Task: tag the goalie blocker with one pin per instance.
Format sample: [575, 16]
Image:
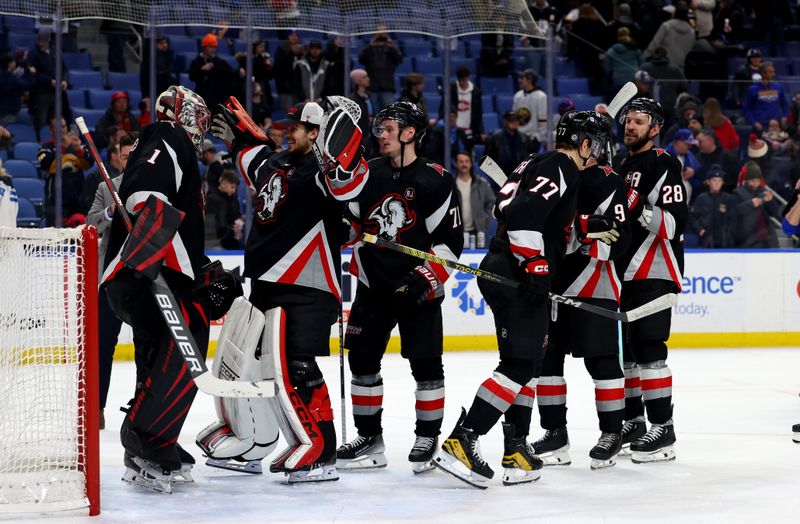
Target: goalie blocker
[247, 429]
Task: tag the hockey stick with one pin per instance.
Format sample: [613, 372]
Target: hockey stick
[341, 361]
[623, 96]
[493, 171]
[659, 304]
[170, 310]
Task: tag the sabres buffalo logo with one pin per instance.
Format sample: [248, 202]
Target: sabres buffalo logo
[391, 217]
[270, 197]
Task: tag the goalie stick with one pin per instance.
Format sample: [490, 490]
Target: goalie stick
[654, 306]
[170, 310]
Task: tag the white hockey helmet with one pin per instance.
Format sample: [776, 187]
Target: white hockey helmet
[187, 108]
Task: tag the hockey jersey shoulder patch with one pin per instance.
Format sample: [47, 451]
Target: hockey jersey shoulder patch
[436, 167]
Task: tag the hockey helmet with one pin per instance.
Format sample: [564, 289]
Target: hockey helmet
[576, 126]
[647, 106]
[406, 114]
[187, 108]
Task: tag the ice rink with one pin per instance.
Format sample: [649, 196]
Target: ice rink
[735, 462]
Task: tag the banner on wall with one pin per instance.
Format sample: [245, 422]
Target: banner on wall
[729, 298]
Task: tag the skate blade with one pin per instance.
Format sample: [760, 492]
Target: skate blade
[422, 467]
[664, 454]
[559, 457]
[514, 476]
[137, 479]
[253, 466]
[325, 473]
[602, 464]
[374, 461]
[796, 438]
[625, 451]
[183, 475]
[455, 467]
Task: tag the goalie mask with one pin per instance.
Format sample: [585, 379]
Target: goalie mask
[187, 108]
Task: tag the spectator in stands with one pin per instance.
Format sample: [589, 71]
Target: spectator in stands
[118, 154]
[224, 220]
[277, 137]
[507, 146]
[494, 59]
[467, 97]
[670, 79]
[531, 107]
[769, 18]
[334, 78]
[42, 101]
[542, 10]
[587, 41]
[359, 80]
[709, 153]
[710, 214]
[765, 100]
[6, 139]
[285, 56]
[681, 148]
[791, 213]
[309, 74]
[644, 83]
[433, 144]
[117, 115]
[381, 59]
[754, 205]
[116, 33]
[262, 110]
[685, 112]
[776, 136]
[165, 68]
[75, 160]
[213, 77]
[414, 92]
[624, 19]
[476, 201]
[745, 75]
[9, 205]
[729, 22]
[113, 135]
[214, 166]
[263, 71]
[14, 82]
[622, 60]
[726, 133]
[704, 15]
[677, 36]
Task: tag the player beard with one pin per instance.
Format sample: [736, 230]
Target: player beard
[636, 143]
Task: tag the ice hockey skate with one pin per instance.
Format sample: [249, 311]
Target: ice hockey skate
[147, 474]
[655, 445]
[604, 453]
[796, 431]
[632, 430]
[461, 456]
[553, 447]
[362, 453]
[184, 474]
[421, 455]
[520, 463]
[317, 472]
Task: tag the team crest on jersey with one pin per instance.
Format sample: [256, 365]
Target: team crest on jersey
[270, 196]
[390, 217]
[607, 170]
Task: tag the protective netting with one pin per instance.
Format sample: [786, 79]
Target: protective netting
[42, 370]
[442, 18]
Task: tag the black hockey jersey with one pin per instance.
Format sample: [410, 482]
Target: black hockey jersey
[415, 206]
[297, 230]
[163, 162]
[588, 270]
[536, 207]
[656, 252]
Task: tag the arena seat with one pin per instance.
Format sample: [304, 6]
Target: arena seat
[19, 168]
[85, 79]
[27, 151]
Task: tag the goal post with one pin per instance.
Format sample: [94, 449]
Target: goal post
[49, 414]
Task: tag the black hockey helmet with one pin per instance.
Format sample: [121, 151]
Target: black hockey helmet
[576, 126]
[406, 114]
[644, 105]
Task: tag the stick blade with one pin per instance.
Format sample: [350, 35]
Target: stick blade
[623, 96]
[654, 306]
[208, 383]
[493, 171]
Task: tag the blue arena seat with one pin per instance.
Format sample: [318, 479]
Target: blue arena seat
[428, 65]
[76, 97]
[99, 98]
[85, 80]
[13, 22]
[488, 102]
[490, 122]
[27, 151]
[122, 81]
[31, 189]
[78, 61]
[172, 31]
[417, 48]
[492, 85]
[569, 86]
[21, 169]
[21, 40]
[183, 44]
[26, 214]
[585, 103]
[93, 116]
[503, 103]
[22, 132]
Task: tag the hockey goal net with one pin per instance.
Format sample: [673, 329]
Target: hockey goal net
[49, 410]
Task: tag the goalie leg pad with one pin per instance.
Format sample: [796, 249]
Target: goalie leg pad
[246, 429]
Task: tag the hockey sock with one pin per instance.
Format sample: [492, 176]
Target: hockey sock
[609, 391]
[633, 391]
[429, 395]
[497, 393]
[307, 380]
[657, 391]
[552, 400]
[366, 392]
[519, 414]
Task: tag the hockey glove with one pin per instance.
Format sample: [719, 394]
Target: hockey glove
[416, 286]
[597, 227]
[217, 288]
[647, 215]
[234, 126]
[535, 286]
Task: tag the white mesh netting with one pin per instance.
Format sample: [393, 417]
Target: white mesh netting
[42, 370]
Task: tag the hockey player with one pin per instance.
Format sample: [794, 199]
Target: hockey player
[162, 167]
[292, 256]
[534, 209]
[600, 235]
[411, 201]
[653, 266]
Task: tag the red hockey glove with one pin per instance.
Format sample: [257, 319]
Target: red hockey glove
[416, 286]
[597, 227]
[234, 126]
[535, 286]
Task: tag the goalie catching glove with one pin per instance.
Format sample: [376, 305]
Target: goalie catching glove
[234, 126]
[338, 149]
[217, 288]
[597, 227]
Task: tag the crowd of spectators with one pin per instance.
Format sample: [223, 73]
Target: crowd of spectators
[676, 52]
